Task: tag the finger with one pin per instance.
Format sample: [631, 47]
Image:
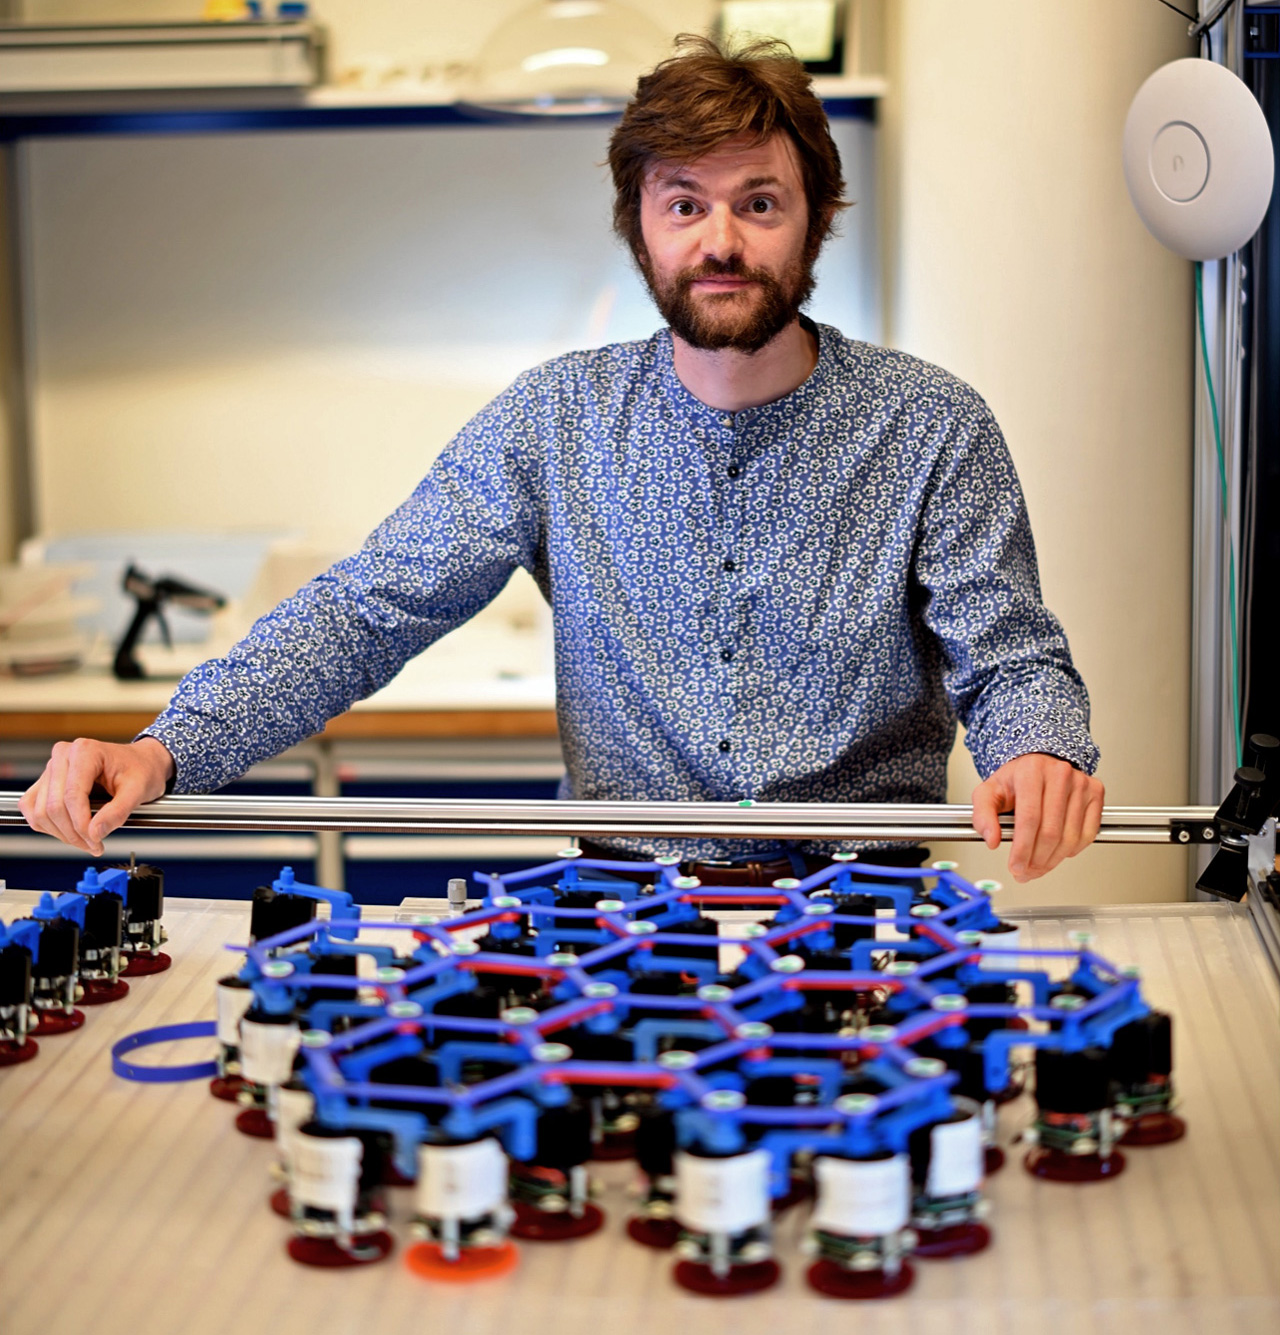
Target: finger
[56, 820]
[113, 814]
[1093, 813]
[987, 800]
[1027, 803]
[84, 769]
[1057, 782]
[1072, 840]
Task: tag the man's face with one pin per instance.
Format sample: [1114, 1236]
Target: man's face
[726, 256]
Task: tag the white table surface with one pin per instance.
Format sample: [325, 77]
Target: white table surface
[130, 1209]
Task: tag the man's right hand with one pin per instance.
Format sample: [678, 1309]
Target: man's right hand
[58, 802]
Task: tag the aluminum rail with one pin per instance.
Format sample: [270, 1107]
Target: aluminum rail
[674, 820]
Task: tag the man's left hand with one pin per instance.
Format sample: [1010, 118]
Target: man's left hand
[1057, 810]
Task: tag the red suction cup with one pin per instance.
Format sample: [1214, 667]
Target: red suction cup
[958, 1240]
[698, 1278]
[992, 1159]
[836, 1282]
[99, 994]
[226, 1087]
[534, 1225]
[279, 1203]
[325, 1253]
[1054, 1166]
[614, 1145]
[1157, 1128]
[661, 1234]
[255, 1122]
[393, 1177]
[140, 966]
[57, 1022]
[1018, 1024]
[11, 1054]
[426, 1259]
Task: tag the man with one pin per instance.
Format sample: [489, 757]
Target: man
[780, 562]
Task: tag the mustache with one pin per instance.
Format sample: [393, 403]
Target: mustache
[730, 268]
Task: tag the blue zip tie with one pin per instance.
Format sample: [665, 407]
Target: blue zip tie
[166, 1033]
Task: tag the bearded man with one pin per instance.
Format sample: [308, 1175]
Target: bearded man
[781, 563]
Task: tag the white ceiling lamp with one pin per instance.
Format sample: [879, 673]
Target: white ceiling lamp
[1198, 159]
[565, 58]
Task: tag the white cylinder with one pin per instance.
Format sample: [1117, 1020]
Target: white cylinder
[1000, 941]
[232, 1004]
[956, 1155]
[267, 1051]
[862, 1198]
[325, 1174]
[293, 1107]
[461, 1181]
[722, 1195]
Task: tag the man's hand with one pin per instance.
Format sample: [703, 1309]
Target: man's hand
[58, 802]
[1056, 812]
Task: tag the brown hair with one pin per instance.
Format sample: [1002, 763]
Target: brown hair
[703, 96]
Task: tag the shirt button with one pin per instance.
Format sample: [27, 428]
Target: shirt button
[724, 745]
[730, 564]
[726, 421]
[726, 655]
[732, 470]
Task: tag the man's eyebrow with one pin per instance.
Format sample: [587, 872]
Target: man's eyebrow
[755, 182]
[675, 183]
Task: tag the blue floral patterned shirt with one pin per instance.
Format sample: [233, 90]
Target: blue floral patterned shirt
[789, 603]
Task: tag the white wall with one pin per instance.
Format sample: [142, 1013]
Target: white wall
[1015, 259]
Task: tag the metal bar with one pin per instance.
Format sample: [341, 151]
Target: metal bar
[771, 820]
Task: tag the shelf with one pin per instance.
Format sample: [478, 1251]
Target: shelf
[237, 111]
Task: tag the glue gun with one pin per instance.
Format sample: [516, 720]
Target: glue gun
[151, 596]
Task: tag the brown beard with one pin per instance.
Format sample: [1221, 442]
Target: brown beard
[714, 324]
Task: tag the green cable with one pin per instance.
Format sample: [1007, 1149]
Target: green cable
[1226, 517]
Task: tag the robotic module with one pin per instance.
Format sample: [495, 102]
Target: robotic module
[851, 1059]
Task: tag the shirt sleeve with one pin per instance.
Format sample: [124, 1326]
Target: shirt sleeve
[445, 553]
[1008, 671]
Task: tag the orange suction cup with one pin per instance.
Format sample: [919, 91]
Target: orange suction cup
[958, 1240]
[226, 1087]
[57, 1022]
[279, 1203]
[1157, 1128]
[11, 1054]
[1054, 1166]
[429, 1261]
[836, 1282]
[699, 1278]
[140, 966]
[535, 1225]
[661, 1234]
[99, 994]
[325, 1254]
[255, 1122]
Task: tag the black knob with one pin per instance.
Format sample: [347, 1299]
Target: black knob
[1263, 748]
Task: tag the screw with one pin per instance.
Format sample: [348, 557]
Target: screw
[857, 1105]
[949, 1001]
[404, 1010]
[610, 905]
[316, 1038]
[817, 909]
[925, 1068]
[754, 1029]
[676, 1060]
[641, 928]
[714, 992]
[687, 883]
[786, 883]
[518, 1015]
[599, 991]
[552, 1052]
[277, 969]
[506, 902]
[724, 1100]
[880, 1033]
[787, 964]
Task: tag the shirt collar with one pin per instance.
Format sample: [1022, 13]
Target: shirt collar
[788, 406]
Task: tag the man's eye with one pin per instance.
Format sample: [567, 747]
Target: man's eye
[761, 204]
[684, 208]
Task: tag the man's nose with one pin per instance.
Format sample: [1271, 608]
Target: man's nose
[722, 238]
